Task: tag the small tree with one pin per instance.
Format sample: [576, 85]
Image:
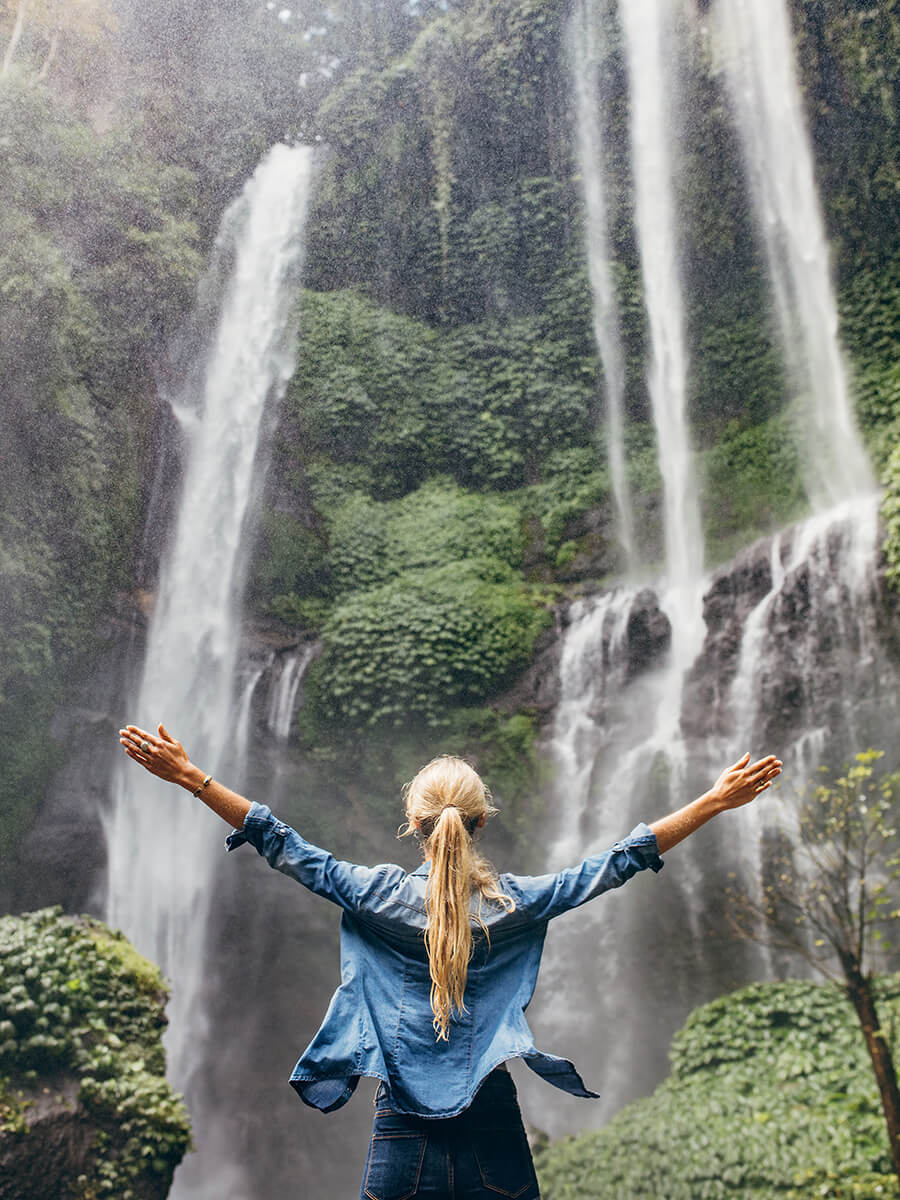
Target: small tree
[830, 891]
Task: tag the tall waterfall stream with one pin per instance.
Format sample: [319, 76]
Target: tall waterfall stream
[778, 651]
[162, 858]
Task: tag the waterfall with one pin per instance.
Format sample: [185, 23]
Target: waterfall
[777, 652]
[163, 848]
[795, 659]
[244, 706]
[650, 47]
[757, 47]
[283, 692]
[829, 564]
[592, 669]
[617, 738]
[586, 50]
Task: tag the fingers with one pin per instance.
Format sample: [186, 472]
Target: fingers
[133, 740]
[138, 735]
[764, 773]
[136, 754]
[164, 734]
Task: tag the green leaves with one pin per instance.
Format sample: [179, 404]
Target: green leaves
[770, 1094]
[76, 999]
[428, 640]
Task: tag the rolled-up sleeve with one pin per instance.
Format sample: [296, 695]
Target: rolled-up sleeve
[344, 883]
[548, 896]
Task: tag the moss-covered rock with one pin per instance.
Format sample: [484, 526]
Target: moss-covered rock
[85, 1109]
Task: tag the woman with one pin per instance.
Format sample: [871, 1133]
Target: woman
[437, 968]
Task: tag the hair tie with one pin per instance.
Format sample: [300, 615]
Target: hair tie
[426, 825]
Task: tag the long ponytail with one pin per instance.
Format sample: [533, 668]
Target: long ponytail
[446, 802]
[448, 934]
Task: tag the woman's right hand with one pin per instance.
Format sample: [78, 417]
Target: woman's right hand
[744, 781]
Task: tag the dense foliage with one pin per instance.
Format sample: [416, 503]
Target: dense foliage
[770, 1094]
[77, 1001]
[99, 259]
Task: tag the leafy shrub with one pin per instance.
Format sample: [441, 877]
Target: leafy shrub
[77, 999]
[485, 403]
[438, 523]
[289, 559]
[752, 483]
[771, 1094]
[427, 640]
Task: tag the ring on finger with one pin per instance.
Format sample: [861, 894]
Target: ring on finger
[145, 746]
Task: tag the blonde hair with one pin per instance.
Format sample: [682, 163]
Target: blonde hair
[445, 803]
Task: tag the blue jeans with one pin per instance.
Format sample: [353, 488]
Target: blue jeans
[482, 1154]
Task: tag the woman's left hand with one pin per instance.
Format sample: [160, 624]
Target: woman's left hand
[159, 753]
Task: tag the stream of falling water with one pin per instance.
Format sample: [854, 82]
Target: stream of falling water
[618, 741]
[162, 849]
[757, 47]
[648, 27]
[586, 51]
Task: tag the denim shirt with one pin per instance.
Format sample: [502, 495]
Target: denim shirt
[379, 1021]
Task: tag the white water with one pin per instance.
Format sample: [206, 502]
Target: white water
[757, 47]
[163, 847]
[587, 48]
[807, 683]
[651, 49]
[592, 669]
[283, 692]
[835, 553]
[615, 740]
[244, 707]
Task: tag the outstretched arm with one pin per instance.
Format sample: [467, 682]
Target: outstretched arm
[168, 759]
[737, 785]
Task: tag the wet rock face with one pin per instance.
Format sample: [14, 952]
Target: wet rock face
[648, 633]
[538, 689]
[51, 1148]
[734, 592]
[801, 645]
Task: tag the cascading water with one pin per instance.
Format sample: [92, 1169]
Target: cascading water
[777, 652]
[650, 49]
[283, 692]
[587, 48]
[617, 734]
[757, 48]
[829, 565]
[163, 851]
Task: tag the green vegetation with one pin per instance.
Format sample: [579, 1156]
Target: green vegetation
[99, 258]
[770, 1094]
[752, 484]
[78, 1003]
[448, 635]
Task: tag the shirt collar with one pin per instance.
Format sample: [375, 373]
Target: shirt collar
[422, 870]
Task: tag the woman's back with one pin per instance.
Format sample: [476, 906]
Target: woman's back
[380, 1020]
